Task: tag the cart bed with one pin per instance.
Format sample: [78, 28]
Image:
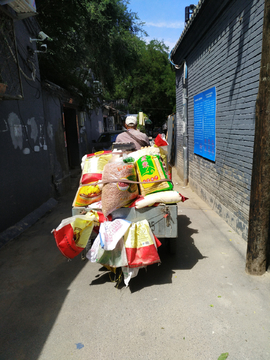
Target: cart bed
[162, 218]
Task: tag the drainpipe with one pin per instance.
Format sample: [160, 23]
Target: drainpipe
[185, 124]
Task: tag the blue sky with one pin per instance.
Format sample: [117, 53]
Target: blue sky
[164, 19]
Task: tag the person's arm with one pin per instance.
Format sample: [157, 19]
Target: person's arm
[147, 139]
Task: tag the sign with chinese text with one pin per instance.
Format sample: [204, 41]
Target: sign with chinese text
[205, 124]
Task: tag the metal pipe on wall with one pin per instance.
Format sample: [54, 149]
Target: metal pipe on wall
[185, 123]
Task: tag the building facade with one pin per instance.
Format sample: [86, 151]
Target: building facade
[43, 132]
[217, 61]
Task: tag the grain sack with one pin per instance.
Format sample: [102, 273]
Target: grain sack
[141, 245]
[150, 150]
[149, 168]
[118, 194]
[73, 233]
[165, 197]
[87, 194]
[93, 166]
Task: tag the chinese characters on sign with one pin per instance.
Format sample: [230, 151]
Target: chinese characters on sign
[205, 124]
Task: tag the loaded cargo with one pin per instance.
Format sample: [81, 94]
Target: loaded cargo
[124, 206]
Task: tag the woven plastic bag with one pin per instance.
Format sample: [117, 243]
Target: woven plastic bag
[87, 195]
[118, 193]
[93, 165]
[150, 168]
[108, 248]
[165, 197]
[141, 245]
[111, 232]
[73, 233]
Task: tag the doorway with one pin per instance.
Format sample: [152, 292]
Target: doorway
[72, 137]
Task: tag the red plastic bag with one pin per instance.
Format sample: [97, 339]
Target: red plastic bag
[160, 140]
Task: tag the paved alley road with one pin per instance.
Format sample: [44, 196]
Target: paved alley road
[198, 304]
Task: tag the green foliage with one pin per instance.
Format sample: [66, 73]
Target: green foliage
[223, 356]
[91, 39]
[141, 128]
[150, 85]
[99, 40]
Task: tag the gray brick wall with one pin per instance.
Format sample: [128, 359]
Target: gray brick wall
[227, 57]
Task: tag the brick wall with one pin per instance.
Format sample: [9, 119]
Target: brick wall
[227, 57]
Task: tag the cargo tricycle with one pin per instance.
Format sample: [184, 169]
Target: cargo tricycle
[162, 220]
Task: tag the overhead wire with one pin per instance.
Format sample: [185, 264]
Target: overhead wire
[16, 62]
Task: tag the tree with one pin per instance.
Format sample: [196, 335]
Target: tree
[150, 86]
[91, 40]
[258, 232]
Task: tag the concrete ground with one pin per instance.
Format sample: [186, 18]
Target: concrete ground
[197, 305]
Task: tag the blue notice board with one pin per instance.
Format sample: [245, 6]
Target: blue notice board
[205, 124]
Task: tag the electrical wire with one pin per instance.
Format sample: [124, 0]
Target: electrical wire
[37, 94]
[33, 77]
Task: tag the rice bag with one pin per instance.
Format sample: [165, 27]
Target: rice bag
[141, 245]
[119, 193]
[165, 197]
[150, 168]
[73, 233]
[151, 150]
[93, 166]
[87, 195]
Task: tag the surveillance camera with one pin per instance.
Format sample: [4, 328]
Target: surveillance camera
[43, 49]
[42, 35]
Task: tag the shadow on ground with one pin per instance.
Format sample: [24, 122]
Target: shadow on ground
[36, 279]
[34, 284]
[185, 258]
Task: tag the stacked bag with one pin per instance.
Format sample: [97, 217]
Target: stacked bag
[89, 190]
[110, 181]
